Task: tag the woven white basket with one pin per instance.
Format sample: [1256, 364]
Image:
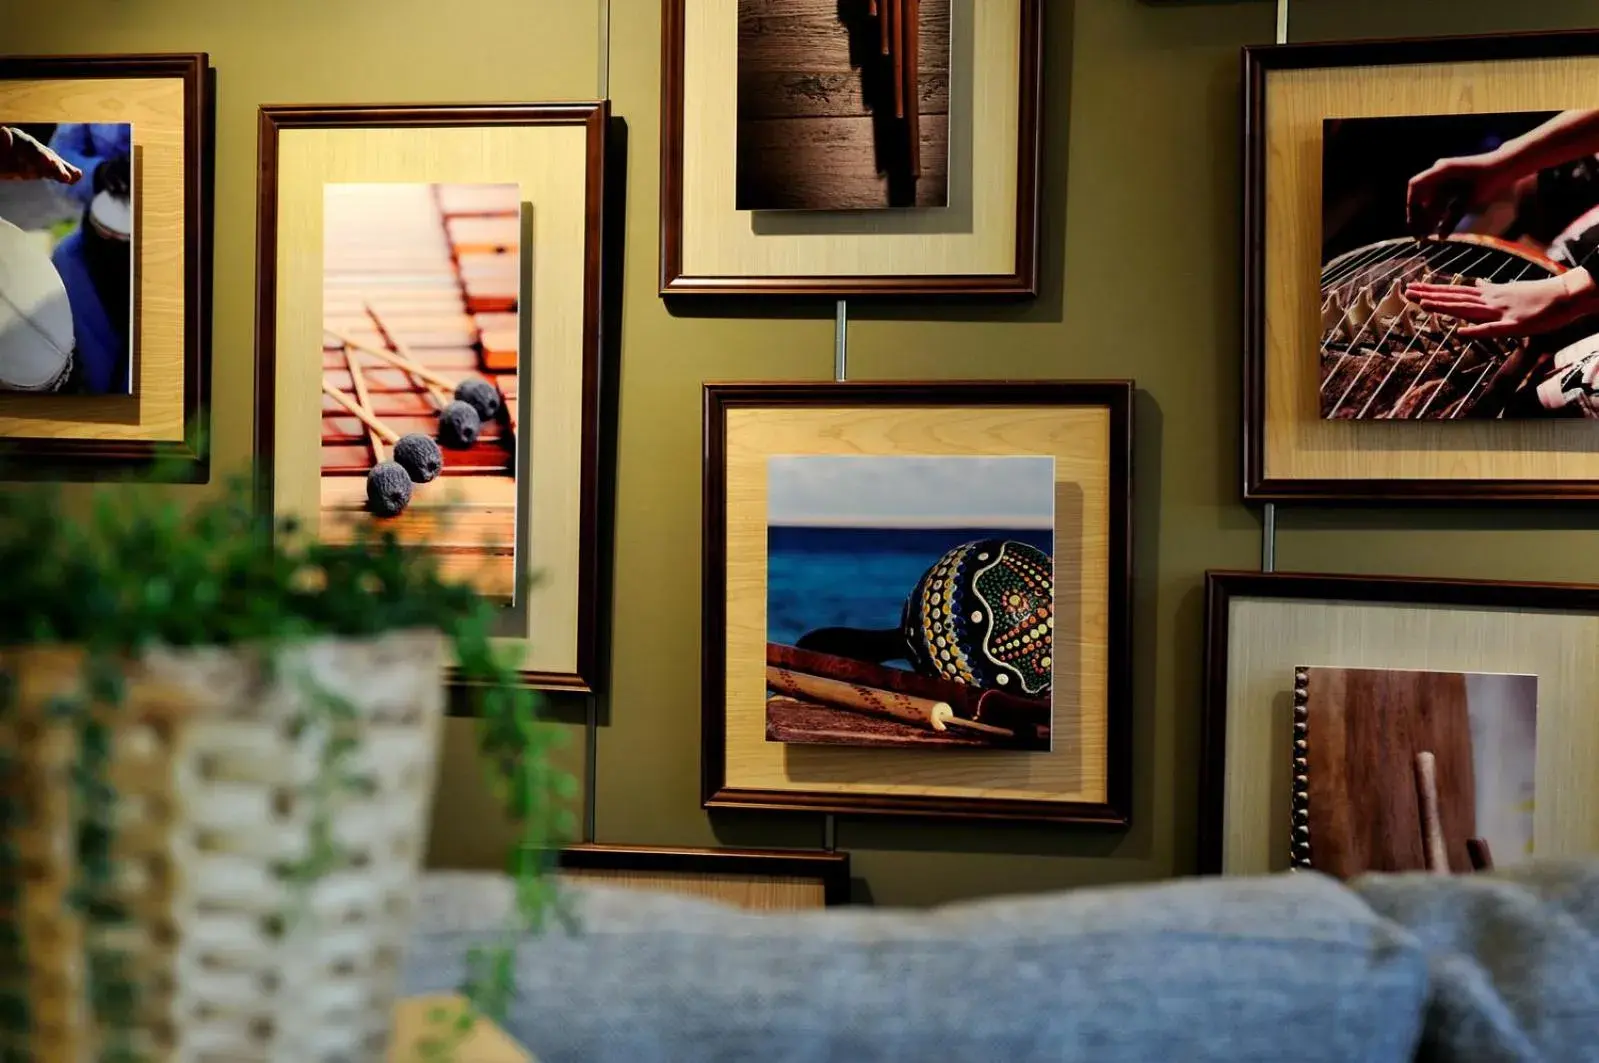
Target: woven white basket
[229, 960]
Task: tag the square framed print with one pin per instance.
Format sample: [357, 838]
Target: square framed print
[429, 347]
[916, 599]
[105, 207]
[1386, 723]
[850, 147]
[1422, 322]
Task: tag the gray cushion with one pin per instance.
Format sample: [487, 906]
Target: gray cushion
[1266, 969]
[1515, 960]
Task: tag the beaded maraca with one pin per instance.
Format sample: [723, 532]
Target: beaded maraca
[983, 615]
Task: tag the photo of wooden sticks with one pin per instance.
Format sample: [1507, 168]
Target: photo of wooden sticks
[818, 698]
[415, 458]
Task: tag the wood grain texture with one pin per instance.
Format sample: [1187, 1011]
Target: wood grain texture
[1261, 626]
[796, 60]
[1075, 777]
[984, 242]
[1368, 725]
[156, 411]
[556, 161]
[782, 879]
[831, 159]
[819, 127]
[1291, 452]
[487, 1043]
[746, 891]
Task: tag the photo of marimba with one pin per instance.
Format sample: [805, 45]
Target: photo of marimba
[421, 295]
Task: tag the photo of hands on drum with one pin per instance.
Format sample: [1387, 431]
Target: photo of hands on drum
[1458, 266]
[421, 343]
[910, 601]
[66, 258]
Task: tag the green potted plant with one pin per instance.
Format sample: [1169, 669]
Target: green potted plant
[217, 748]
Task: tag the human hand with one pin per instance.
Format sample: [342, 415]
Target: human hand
[114, 175]
[1438, 197]
[22, 158]
[1518, 308]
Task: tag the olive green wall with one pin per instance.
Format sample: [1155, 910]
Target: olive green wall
[1141, 279]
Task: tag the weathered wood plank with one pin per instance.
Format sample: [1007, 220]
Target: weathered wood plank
[810, 50]
[830, 163]
[793, 94]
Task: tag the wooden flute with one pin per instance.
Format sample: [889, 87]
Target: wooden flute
[1029, 718]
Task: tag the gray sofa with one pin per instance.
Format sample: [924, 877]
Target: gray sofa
[1494, 968]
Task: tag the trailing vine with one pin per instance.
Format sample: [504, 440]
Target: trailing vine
[138, 571]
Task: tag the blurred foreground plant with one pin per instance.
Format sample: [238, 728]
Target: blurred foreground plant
[142, 571]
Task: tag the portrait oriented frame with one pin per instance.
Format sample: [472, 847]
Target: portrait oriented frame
[558, 153]
[984, 244]
[1289, 452]
[1087, 427]
[1260, 627]
[158, 429]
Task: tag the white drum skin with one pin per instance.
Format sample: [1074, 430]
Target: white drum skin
[36, 335]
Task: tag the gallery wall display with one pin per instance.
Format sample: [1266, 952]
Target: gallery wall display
[105, 173]
[1421, 315]
[1385, 723]
[874, 146]
[916, 598]
[428, 351]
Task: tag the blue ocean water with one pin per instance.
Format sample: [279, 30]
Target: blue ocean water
[858, 577]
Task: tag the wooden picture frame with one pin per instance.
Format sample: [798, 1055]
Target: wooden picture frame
[1261, 627]
[158, 429]
[983, 243]
[769, 879]
[557, 154]
[1083, 774]
[1292, 451]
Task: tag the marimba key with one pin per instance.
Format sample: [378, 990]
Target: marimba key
[485, 235]
[499, 335]
[472, 199]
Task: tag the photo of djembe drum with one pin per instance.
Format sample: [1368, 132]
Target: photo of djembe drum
[36, 331]
[1383, 357]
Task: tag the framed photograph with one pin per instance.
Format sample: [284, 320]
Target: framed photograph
[105, 165]
[1384, 723]
[429, 346]
[1414, 769]
[1427, 213]
[818, 147]
[916, 599]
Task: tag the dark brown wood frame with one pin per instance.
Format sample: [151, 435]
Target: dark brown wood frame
[1257, 61]
[186, 460]
[1222, 587]
[595, 118]
[1021, 281]
[829, 868]
[1117, 397]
